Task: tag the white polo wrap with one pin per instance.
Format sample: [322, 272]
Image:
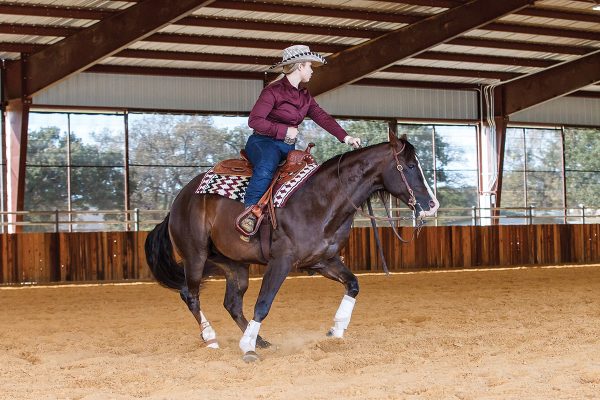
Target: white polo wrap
[342, 316]
[248, 340]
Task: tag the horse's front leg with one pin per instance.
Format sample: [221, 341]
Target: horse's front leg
[335, 269]
[277, 270]
[236, 275]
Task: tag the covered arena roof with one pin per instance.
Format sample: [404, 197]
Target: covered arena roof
[439, 44]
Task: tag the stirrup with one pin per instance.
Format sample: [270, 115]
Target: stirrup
[248, 224]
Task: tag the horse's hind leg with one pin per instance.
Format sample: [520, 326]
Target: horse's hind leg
[335, 269]
[194, 267]
[236, 275]
[207, 332]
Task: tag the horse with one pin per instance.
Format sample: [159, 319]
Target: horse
[312, 228]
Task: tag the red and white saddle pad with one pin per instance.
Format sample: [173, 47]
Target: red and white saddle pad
[234, 187]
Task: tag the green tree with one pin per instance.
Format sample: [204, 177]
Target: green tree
[327, 145]
[93, 188]
[582, 164]
[532, 168]
[455, 188]
[167, 151]
[46, 172]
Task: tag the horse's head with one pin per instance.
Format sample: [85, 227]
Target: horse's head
[404, 178]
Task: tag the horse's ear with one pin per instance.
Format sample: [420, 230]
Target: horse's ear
[403, 137]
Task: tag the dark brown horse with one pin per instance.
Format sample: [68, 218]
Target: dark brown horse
[312, 228]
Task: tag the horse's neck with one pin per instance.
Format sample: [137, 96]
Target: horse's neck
[359, 176]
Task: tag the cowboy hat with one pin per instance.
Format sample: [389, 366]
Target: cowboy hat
[299, 54]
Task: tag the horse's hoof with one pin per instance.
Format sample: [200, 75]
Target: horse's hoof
[333, 334]
[250, 357]
[262, 343]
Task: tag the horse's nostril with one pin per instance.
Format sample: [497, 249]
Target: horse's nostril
[431, 204]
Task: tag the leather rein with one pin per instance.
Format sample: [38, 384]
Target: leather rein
[412, 202]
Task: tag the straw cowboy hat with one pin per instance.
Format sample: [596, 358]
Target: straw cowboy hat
[298, 54]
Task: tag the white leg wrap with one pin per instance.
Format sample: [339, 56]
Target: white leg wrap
[208, 333]
[342, 317]
[248, 340]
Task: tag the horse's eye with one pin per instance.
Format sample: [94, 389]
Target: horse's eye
[411, 166]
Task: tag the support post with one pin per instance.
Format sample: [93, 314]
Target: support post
[3, 164]
[17, 120]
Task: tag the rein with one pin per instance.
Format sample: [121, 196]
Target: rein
[412, 202]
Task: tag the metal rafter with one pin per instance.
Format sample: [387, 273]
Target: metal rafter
[485, 59]
[198, 57]
[382, 52]
[262, 60]
[318, 11]
[542, 30]
[335, 12]
[54, 11]
[87, 47]
[533, 11]
[415, 84]
[185, 72]
[519, 45]
[46, 30]
[272, 26]
[188, 72]
[425, 3]
[468, 73]
[548, 84]
[223, 41]
[553, 13]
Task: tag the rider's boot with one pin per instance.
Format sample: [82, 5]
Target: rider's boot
[248, 224]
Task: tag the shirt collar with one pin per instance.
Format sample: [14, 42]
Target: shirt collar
[288, 85]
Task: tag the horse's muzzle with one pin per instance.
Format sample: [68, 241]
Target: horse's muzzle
[433, 207]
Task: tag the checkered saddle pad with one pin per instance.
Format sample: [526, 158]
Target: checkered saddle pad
[234, 186]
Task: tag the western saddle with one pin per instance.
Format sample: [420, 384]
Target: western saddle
[296, 160]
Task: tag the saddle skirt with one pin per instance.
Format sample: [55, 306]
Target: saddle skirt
[229, 178]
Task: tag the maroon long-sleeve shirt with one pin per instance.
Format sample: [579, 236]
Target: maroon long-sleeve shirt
[281, 105]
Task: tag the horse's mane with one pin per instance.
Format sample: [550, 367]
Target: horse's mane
[409, 152]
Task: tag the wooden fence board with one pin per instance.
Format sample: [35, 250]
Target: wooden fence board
[116, 256]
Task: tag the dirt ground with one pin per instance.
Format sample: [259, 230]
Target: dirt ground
[529, 333]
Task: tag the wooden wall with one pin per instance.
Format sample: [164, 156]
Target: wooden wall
[117, 256]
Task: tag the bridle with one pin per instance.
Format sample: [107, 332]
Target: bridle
[412, 202]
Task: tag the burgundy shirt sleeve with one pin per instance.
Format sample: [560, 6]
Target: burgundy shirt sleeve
[258, 116]
[325, 121]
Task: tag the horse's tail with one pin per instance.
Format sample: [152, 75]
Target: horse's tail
[159, 255]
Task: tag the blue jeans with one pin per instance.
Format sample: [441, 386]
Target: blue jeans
[265, 154]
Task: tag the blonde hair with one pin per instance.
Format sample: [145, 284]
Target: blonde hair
[287, 69]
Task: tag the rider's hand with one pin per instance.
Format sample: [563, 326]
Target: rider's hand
[352, 141]
[292, 132]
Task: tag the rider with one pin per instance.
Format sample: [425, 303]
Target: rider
[275, 117]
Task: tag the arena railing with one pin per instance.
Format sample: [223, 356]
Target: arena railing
[137, 219]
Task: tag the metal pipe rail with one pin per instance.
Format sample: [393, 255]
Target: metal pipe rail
[136, 219]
